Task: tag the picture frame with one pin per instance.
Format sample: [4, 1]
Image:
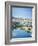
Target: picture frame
[8, 22]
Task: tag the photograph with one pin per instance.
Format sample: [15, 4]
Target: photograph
[21, 22]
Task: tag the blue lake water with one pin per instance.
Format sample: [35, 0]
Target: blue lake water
[18, 33]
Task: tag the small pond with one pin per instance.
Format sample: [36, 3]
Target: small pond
[18, 33]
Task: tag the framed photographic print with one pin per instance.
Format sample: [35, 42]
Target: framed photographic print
[20, 22]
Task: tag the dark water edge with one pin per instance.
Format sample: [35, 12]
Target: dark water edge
[22, 37]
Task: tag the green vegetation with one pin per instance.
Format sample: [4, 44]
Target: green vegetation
[18, 25]
[29, 28]
[28, 31]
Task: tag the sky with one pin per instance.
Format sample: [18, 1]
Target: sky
[19, 12]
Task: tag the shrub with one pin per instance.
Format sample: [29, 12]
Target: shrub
[29, 28]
